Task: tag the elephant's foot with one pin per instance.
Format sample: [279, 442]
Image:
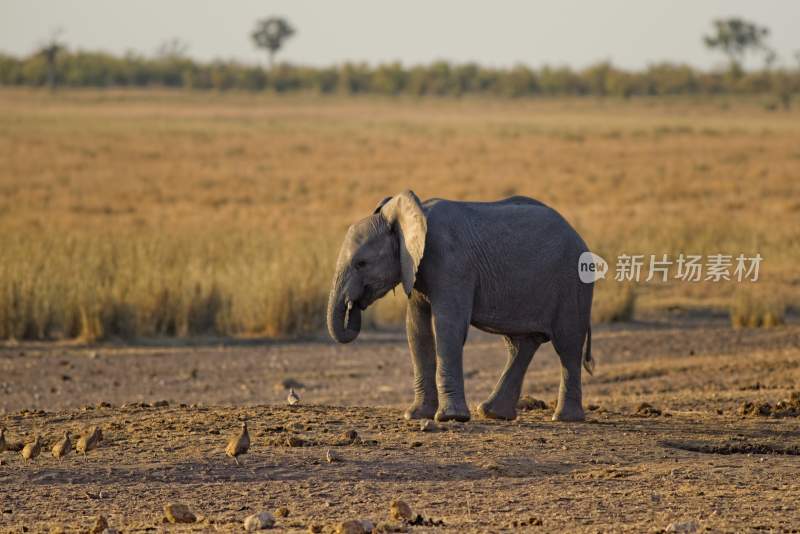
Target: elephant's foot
[421, 410]
[569, 412]
[496, 409]
[452, 411]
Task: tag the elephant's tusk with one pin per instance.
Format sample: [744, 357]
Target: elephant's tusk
[347, 313]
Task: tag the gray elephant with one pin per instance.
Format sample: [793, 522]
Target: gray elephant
[508, 267]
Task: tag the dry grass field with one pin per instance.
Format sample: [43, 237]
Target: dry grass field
[141, 214]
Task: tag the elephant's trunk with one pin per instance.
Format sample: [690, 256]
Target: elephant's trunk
[344, 315]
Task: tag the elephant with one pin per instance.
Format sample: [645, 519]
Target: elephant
[508, 267]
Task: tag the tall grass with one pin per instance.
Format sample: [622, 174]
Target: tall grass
[757, 308]
[105, 287]
[613, 302]
[126, 214]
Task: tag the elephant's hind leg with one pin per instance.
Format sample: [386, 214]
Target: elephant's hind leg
[502, 403]
[423, 357]
[570, 403]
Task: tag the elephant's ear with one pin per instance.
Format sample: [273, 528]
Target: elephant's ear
[404, 213]
[381, 204]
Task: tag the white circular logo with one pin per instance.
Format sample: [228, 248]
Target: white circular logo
[591, 267]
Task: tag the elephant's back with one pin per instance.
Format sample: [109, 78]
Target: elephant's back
[520, 220]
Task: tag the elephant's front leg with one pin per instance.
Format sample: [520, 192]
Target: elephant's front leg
[502, 403]
[450, 330]
[423, 357]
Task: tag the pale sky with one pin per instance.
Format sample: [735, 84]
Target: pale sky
[631, 34]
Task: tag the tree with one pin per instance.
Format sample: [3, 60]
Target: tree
[173, 48]
[270, 34]
[50, 52]
[735, 37]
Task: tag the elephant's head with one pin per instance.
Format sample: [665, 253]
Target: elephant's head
[378, 253]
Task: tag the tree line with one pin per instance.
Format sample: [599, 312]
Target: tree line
[100, 69]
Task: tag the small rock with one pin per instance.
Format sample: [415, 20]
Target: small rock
[528, 403]
[686, 528]
[351, 436]
[100, 524]
[647, 410]
[415, 444]
[282, 512]
[331, 457]
[295, 441]
[350, 527]
[400, 511]
[428, 426]
[259, 521]
[315, 529]
[178, 513]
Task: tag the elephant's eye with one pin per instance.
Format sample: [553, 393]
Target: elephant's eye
[360, 264]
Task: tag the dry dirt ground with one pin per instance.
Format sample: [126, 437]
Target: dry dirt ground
[699, 464]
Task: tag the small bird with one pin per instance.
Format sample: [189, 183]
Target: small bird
[331, 457]
[293, 397]
[238, 444]
[89, 441]
[15, 446]
[32, 450]
[62, 447]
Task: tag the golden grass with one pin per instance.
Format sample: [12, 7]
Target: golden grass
[613, 303]
[757, 309]
[152, 213]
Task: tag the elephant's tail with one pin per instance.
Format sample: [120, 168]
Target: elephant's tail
[588, 361]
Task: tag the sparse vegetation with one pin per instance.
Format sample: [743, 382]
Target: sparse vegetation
[613, 303]
[757, 309]
[129, 214]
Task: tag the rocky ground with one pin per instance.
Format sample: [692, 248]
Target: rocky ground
[691, 425]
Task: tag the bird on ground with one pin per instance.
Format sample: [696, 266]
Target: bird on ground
[293, 398]
[15, 446]
[331, 456]
[89, 441]
[238, 444]
[62, 447]
[32, 450]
